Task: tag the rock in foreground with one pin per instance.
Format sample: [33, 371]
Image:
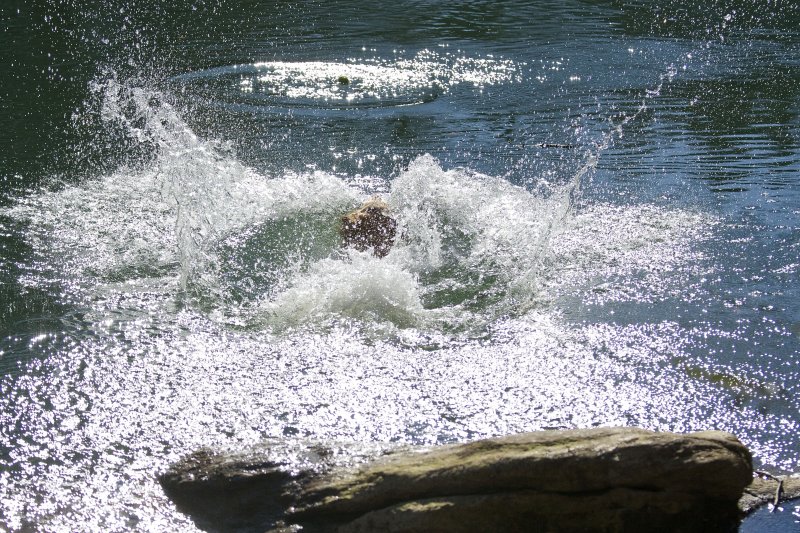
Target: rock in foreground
[606, 479]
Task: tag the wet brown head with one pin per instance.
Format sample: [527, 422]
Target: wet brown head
[371, 226]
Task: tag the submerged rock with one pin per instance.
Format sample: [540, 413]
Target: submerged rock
[371, 226]
[769, 491]
[608, 479]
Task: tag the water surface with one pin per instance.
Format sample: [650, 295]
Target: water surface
[598, 204]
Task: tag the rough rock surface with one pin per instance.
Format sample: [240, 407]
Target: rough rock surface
[607, 479]
[371, 226]
[762, 491]
[251, 490]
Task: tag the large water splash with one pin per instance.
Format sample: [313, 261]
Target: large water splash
[203, 188]
[263, 251]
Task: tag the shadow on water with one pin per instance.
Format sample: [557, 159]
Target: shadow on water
[784, 519]
[741, 126]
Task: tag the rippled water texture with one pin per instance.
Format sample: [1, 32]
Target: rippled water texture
[597, 208]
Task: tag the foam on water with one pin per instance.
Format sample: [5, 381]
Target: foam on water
[262, 251]
[469, 246]
[175, 210]
[358, 287]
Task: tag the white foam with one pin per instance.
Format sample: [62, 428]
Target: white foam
[472, 248]
[356, 286]
[476, 222]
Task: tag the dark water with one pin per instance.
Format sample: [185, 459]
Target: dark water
[600, 204]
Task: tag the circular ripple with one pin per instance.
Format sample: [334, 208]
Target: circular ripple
[315, 84]
[370, 83]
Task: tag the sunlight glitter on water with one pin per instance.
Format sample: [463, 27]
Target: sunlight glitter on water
[366, 82]
[192, 382]
[214, 306]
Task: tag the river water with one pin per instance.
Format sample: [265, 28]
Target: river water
[598, 202]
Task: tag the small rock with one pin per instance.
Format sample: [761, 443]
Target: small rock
[762, 491]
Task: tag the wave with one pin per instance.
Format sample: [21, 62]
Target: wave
[262, 251]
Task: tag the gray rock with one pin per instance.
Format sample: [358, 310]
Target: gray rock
[763, 491]
[606, 479]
